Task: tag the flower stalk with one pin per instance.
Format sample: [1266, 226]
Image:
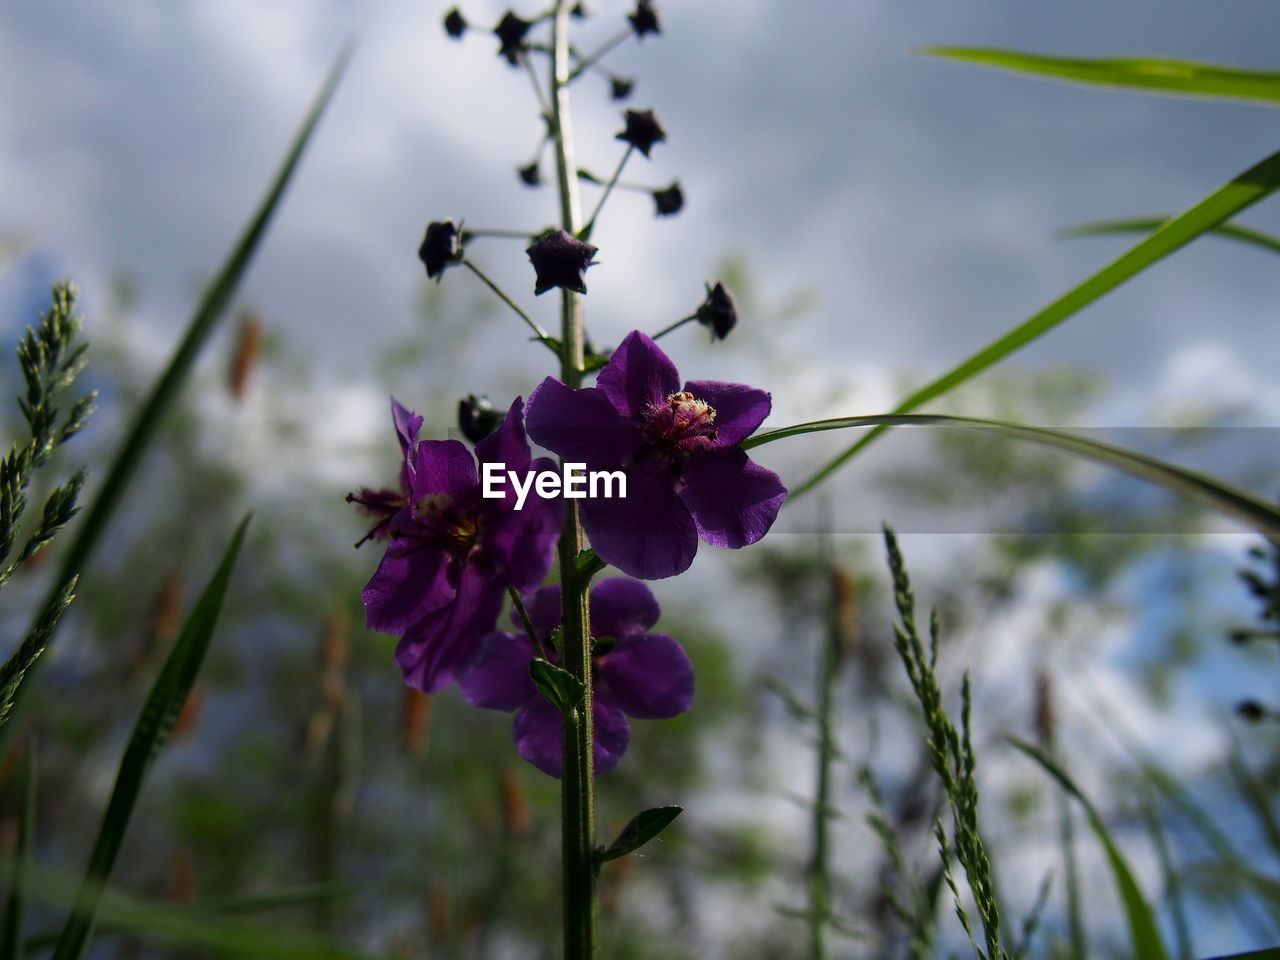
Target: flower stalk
[578, 789]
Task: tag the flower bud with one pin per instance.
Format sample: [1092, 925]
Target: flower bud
[477, 418]
[620, 87]
[669, 200]
[718, 313]
[511, 31]
[644, 19]
[455, 24]
[439, 247]
[642, 130]
[560, 260]
[530, 176]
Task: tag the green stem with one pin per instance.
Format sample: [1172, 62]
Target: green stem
[675, 326]
[819, 867]
[531, 323]
[587, 62]
[608, 189]
[514, 594]
[578, 787]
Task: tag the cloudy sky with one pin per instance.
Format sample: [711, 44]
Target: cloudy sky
[914, 200]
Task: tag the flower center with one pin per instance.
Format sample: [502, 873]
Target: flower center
[680, 424]
[439, 519]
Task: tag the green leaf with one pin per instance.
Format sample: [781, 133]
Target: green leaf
[1176, 77]
[1142, 922]
[589, 565]
[1240, 504]
[1259, 181]
[11, 936]
[643, 827]
[159, 713]
[1231, 231]
[559, 686]
[211, 309]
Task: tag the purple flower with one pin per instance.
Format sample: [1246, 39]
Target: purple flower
[644, 19]
[686, 476]
[454, 553]
[644, 675]
[510, 32]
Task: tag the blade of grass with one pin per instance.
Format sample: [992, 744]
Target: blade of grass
[1244, 191]
[11, 945]
[211, 309]
[1240, 504]
[209, 929]
[1175, 77]
[1142, 922]
[1231, 231]
[159, 713]
[1172, 881]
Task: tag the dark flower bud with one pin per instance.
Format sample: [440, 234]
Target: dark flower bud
[669, 200]
[477, 418]
[718, 313]
[560, 260]
[1239, 636]
[642, 131]
[439, 247]
[455, 24]
[1251, 710]
[580, 11]
[621, 87]
[644, 19]
[530, 176]
[511, 32]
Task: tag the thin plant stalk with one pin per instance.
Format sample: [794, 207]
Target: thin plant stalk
[578, 786]
[819, 855]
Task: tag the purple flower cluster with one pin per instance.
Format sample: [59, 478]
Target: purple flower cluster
[647, 676]
[453, 553]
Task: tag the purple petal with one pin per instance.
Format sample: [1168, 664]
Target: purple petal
[411, 582]
[538, 730]
[733, 500]
[739, 409]
[407, 424]
[582, 426]
[522, 543]
[443, 466]
[621, 608]
[443, 644]
[543, 607]
[612, 734]
[649, 533]
[499, 678]
[507, 445]
[637, 375]
[649, 677]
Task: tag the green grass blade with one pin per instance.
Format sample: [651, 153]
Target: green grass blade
[1244, 191]
[1142, 922]
[1232, 501]
[206, 929]
[159, 713]
[11, 937]
[17, 668]
[1249, 235]
[211, 309]
[1175, 77]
